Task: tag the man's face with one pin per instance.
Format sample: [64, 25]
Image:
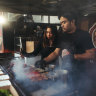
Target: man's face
[65, 24]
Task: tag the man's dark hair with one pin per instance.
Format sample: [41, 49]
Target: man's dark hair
[69, 15]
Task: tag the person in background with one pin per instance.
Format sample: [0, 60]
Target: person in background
[46, 45]
[76, 47]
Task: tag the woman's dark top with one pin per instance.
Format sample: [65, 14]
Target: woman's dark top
[44, 51]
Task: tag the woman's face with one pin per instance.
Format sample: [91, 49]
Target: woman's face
[49, 33]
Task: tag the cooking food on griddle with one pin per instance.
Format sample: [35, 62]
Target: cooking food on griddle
[36, 76]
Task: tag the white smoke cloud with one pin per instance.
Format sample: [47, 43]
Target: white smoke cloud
[20, 64]
[57, 86]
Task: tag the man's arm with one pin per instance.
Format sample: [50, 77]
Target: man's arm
[53, 55]
[89, 54]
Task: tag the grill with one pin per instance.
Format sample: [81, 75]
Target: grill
[35, 83]
[6, 68]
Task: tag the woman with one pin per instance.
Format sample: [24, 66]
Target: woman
[47, 44]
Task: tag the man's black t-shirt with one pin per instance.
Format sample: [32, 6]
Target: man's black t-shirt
[75, 43]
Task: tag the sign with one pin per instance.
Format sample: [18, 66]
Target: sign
[92, 32]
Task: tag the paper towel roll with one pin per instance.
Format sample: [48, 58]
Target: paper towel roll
[29, 46]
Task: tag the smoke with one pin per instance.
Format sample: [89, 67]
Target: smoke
[32, 60]
[56, 84]
[55, 89]
[20, 66]
[60, 80]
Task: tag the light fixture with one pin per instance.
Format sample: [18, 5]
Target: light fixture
[2, 20]
[25, 15]
[86, 14]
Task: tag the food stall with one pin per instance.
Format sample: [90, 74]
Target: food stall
[30, 81]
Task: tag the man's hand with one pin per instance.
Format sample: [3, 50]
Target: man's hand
[40, 64]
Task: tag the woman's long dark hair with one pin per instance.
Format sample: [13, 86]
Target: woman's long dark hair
[54, 36]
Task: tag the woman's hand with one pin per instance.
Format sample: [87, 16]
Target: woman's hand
[40, 64]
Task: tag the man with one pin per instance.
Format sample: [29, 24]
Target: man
[77, 42]
[84, 48]
[73, 43]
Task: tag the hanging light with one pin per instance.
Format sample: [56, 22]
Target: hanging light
[2, 18]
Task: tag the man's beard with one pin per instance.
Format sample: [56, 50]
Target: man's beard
[64, 30]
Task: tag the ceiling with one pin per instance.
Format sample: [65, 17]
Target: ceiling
[48, 7]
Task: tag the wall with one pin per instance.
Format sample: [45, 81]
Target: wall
[83, 23]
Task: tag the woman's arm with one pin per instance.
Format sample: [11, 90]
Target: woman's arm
[53, 55]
